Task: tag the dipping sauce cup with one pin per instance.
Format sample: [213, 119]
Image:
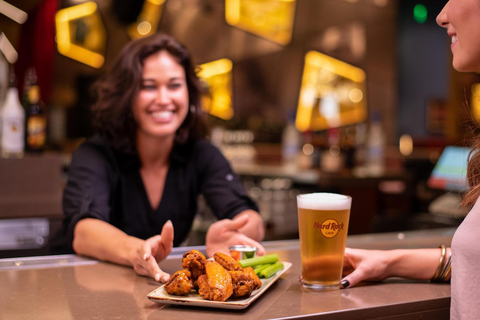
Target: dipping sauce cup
[240, 252]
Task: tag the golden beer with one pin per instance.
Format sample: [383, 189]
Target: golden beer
[323, 225]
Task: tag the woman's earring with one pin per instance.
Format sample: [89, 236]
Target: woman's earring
[193, 109]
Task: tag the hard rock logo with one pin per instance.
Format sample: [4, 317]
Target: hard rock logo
[329, 227]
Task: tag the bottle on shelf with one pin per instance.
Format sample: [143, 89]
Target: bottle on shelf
[347, 145]
[291, 141]
[361, 137]
[3, 88]
[13, 120]
[35, 119]
[375, 146]
[333, 159]
[27, 82]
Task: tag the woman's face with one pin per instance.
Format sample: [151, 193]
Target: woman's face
[461, 18]
[162, 103]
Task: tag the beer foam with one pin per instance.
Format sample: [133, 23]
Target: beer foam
[324, 201]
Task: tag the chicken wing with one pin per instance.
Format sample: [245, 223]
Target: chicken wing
[249, 271]
[243, 284]
[194, 261]
[216, 283]
[227, 261]
[180, 283]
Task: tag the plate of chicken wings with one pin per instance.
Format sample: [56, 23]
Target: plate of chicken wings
[218, 283]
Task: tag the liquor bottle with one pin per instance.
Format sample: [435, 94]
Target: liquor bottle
[27, 82]
[3, 88]
[36, 120]
[13, 119]
[375, 147]
[291, 140]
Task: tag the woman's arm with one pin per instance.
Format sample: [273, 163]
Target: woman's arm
[101, 240]
[377, 265]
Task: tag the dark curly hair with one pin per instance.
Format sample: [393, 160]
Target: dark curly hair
[115, 93]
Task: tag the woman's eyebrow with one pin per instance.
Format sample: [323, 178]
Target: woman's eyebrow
[171, 79]
[177, 78]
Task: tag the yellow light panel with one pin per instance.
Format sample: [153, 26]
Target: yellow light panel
[81, 34]
[270, 19]
[148, 19]
[217, 76]
[475, 104]
[332, 94]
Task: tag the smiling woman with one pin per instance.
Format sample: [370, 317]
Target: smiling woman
[162, 103]
[461, 19]
[132, 189]
[134, 79]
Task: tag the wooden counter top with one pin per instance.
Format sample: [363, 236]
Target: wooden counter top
[72, 287]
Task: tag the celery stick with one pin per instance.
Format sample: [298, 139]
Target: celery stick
[271, 270]
[271, 258]
[261, 267]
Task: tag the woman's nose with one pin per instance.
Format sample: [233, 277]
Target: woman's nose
[442, 20]
[162, 96]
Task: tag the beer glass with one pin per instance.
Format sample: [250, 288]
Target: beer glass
[323, 225]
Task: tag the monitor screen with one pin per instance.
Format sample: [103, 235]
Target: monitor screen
[450, 172]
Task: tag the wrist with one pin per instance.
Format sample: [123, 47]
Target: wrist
[132, 245]
[394, 261]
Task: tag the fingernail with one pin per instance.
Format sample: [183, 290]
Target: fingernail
[344, 284]
[157, 277]
[165, 278]
[145, 256]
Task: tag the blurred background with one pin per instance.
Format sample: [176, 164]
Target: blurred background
[350, 96]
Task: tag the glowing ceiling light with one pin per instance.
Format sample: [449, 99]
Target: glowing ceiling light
[332, 94]
[270, 19]
[217, 76]
[144, 28]
[81, 34]
[148, 19]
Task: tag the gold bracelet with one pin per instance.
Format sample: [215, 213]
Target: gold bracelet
[438, 272]
[445, 276]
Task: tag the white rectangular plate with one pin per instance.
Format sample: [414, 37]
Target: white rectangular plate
[159, 295]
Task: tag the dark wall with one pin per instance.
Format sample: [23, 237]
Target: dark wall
[423, 60]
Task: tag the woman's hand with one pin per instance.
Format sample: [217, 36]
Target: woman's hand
[152, 251]
[365, 265]
[376, 265]
[225, 233]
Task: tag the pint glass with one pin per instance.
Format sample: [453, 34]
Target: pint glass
[323, 225]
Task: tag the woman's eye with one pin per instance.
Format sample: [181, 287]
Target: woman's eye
[147, 86]
[175, 85]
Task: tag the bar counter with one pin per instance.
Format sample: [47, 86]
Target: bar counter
[75, 287]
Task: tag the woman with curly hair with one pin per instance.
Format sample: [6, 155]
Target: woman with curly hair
[132, 189]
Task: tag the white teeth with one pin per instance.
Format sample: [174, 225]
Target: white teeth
[162, 114]
[454, 39]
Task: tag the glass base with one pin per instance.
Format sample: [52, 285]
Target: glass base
[320, 287]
